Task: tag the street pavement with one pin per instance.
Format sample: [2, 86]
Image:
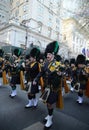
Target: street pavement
[14, 115]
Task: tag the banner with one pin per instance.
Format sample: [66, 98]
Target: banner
[87, 53]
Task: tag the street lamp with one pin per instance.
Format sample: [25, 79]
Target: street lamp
[26, 37]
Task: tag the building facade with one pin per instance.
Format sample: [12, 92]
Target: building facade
[75, 36]
[4, 12]
[39, 22]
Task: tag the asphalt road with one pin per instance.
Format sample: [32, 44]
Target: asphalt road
[14, 115]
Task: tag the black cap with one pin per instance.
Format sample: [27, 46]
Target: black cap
[80, 59]
[52, 47]
[17, 52]
[35, 52]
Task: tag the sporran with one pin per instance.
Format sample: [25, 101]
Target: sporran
[77, 87]
[44, 95]
[28, 87]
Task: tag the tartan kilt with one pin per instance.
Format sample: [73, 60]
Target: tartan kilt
[82, 86]
[34, 88]
[0, 74]
[15, 79]
[53, 97]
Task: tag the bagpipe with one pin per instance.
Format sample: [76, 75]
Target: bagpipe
[5, 79]
[56, 77]
[45, 88]
[3, 72]
[81, 73]
[26, 83]
[41, 79]
[65, 78]
[20, 68]
[55, 86]
[77, 87]
[15, 69]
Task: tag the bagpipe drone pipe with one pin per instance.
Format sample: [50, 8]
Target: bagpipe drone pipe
[63, 72]
[2, 66]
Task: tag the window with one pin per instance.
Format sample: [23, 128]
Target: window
[50, 15]
[57, 34]
[39, 27]
[25, 8]
[25, 17]
[50, 19]
[17, 3]
[50, 23]
[40, 13]
[49, 32]
[16, 13]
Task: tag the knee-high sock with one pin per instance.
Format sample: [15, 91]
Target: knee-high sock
[50, 111]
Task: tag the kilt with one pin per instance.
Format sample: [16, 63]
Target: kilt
[0, 74]
[82, 86]
[53, 97]
[15, 79]
[34, 88]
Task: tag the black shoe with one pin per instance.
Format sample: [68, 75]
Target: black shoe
[35, 106]
[28, 107]
[12, 96]
[77, 101]
[80, 103]
[44, 120]
[47, 128]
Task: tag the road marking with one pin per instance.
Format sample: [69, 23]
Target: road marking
[35, 126]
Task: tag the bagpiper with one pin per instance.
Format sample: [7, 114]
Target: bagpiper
[32, 70]
[16, 67]
[81, 77]
[72, 73]
[52, 81]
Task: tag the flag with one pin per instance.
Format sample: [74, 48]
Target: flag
[83, 51]
[87, 53]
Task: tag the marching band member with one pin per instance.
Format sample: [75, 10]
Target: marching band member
[1, 63]
[41, 59]
[87, 67]
[6, 69]
[27, 63]
[51, 80]
[32, 69]
[16, 67]
[72, 73]
[81, 77]
[87, 71]
[66, 77]
[58, 58]
[67, 69]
